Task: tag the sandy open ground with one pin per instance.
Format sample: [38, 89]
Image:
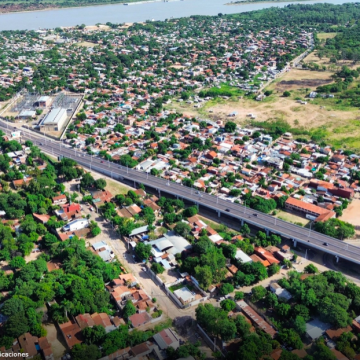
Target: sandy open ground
[276, 107]
[352, 213]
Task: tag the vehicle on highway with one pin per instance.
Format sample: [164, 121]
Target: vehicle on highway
[255, 214]
[326, 244]
[102, 161]
[40, 144]
[228, 210]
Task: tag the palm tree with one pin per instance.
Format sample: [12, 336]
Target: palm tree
[67, 306]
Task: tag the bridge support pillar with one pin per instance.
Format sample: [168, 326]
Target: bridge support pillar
[337, 258]
[219, 213]
[197, 205]
[267, 232]
[134, 184]
[242, 222]
[158, 191]
[295, 243]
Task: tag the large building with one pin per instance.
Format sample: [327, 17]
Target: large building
[44, 101]
[54, 120]
[318, 212]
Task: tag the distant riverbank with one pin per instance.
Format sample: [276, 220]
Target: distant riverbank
[119, 13]
[247, 2]
[50, 5]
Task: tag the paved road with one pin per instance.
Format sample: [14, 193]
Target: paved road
[236, 211]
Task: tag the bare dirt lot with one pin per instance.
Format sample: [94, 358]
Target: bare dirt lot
[302, 79]
[55, 339]
[86, 44]
[275, 107]
[351, 215]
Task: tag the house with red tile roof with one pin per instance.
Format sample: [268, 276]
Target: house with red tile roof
[71, 332]
[307, 208]
[137, 320]
[266, 255]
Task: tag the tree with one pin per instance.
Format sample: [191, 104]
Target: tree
[291, 338]
[49, 239]
[258, 292]
[149, 215]
[203, 245]
[226, 288]
[85, 352]
[273, 269]
[87, 181]
[94, 228]
[190, 211]
[242, 326]
[283, 309]
[311, 269]
[322, 352]
[228, 305]
[230, 127]
[17, 262]
[239, 295]
[100, 184]
[129, 309]
[299, 325]
[245, 230]
[12, 306]
[204, 276]
[287, 355]
[94, 335]
[229, 250]
[16, 325]
[157, 268]
[215, 321]
[271, 300]
[335, 228]
[182, 228]
[143, 251]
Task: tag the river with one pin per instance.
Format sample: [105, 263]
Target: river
[120, 13]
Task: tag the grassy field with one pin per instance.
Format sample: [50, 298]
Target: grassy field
[292, 218]
[324, 36]
[116, 188]
[332, 120]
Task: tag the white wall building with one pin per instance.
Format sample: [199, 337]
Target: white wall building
[77, 224]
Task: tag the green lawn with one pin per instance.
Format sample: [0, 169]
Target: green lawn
[224, 90]
[176, 287]
[180, 286]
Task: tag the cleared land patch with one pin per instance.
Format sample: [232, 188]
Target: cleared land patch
[324, 36]
[296, 79]
[86, 44]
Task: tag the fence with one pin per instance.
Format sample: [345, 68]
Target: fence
[261, 312]
[170, 295]
[208, 340]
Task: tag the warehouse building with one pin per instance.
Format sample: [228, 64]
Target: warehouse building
[54, 120]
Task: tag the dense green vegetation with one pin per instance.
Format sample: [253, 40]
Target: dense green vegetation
[328, 296]
[344, 46]
[335, 228]
[77, 288]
